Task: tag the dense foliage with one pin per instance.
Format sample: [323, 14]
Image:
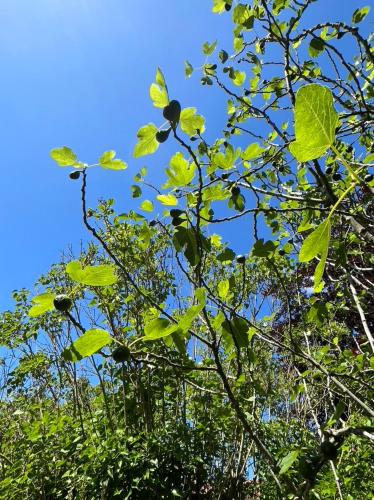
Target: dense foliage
[160, 364]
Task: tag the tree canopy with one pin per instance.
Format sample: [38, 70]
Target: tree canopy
[158, 363]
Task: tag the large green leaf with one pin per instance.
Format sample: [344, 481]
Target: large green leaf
[108, 161]
[159, 328]
[316, 242]
[315, 122]
[185, 321]
[43, 303]
[180, 172]
[102, 275]
[147, 143]
[190, 122]
[288, 460]
[235, 328]
[169, 200]
[64, 157]
[158, 91]
[86, 345]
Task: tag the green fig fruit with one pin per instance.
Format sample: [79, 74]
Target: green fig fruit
[329, 450]
[175, 212]
[162, 135]
[75, 174]
[177, 221]
[235, 191]
[121, 354]
[62, 303]
[172, 112]
[240, 259]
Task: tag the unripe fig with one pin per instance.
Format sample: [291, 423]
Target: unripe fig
[175, 212]
[240, 259]
[282, 252]
[328, 170]
[235, 191]
[329, 450]
[62, 303]
[162, 135]
[152, 223]
[172, 112]
[369, 177]
[121, 354]
[177, 221]
[227, 7]
[75, 174]
[349, 149]
[336, 176]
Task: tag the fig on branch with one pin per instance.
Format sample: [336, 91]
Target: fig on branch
[121, 354]
[172, 112]
[162, 135]
[329, 450]
[240, 259]
[235, 191]
[62, 303]
[75, 174]
[175, 212]
[369, 177]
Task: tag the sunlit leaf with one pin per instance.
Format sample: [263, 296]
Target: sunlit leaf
[102, 275]
[190, 122]
[147, 143]
[86, 345]
[43, 303]
[64, 157]
[315, 122]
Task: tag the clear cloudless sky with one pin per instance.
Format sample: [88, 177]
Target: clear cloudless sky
[77, 73]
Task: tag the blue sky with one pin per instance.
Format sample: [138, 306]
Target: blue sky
[77, 73]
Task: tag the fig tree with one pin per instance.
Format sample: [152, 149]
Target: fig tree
[62, 303]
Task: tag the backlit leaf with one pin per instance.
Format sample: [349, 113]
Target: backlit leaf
[315, 122]
[86, 345]
[102, 275]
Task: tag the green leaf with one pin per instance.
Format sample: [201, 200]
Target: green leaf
[147, 143]
[136, 192]
[316, 47]
[86, 345]
[238, 77]
[360, 14]
[188, 69]
[223, 289]
[208, 48]
[218, 6]
[190, 122]
[252, 151]
[315, 122]
[185, 321]
[316, 242]
[43, 303]
[288, 460]
[261, 249]
[243, 15]
[102, 275]
[159, 328]
[64, 157]
[185, 239]
[158, 91]
[107, 160]
[180, 173]
[168, 200]
[147, 206]
[237, 328]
